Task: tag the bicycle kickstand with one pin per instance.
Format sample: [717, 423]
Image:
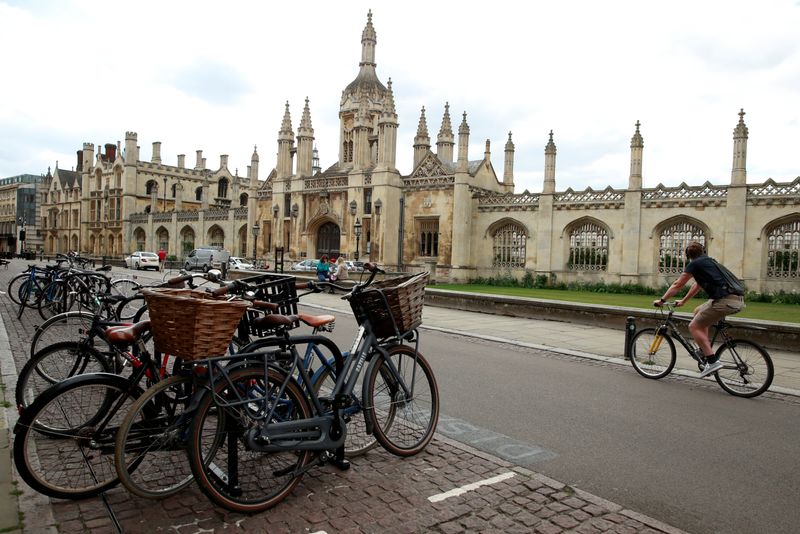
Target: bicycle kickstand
[339, 460]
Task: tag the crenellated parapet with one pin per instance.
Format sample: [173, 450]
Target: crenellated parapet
[685, 195]
[772, 193]
[608, 198]
[325, 183]
[493, 202]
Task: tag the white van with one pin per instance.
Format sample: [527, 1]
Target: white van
[205, 258]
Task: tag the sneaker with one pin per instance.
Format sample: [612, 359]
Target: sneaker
[711, 368]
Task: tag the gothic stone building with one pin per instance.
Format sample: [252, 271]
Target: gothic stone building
[450, 215]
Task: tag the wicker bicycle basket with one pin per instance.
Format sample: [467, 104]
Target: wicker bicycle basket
[393, 306]
[192, 324]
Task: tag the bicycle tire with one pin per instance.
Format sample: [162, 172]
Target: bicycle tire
[125, 287]
[52, 300]
[13, 288]
[153, 438]
[660, 362]
[128, 309]
[264, 479]
[413, 420]
[72, 461]
[357, 440]
[54, 364]
[751, 375]
[69, 326]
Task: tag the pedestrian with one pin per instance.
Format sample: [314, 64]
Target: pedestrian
[323, 269]
[162, 258]
[725, 293]
[339, 272]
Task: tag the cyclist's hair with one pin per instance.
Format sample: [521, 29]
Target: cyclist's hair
[694, 250]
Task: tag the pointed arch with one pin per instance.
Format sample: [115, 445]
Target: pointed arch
[509, 243]
[588, 240]
[242, 239]
[162, 238]
[782, 238]
[139, 237]
[673, 234]
[222, 188]
[188, 236]
[216, 236]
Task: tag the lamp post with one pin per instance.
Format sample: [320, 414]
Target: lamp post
[357, 231]
[256, 230]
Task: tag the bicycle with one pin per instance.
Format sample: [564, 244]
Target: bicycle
[255, 429]
[747, 367]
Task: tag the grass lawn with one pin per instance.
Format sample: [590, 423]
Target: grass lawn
[787, 313]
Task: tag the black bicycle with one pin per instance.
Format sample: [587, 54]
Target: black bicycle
[747, 369]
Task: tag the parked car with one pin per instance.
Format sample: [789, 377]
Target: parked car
[206, 258]
[355, 266]
[240, 264]
[306, 265]
[142, 260]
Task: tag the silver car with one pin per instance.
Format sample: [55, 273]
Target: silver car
[306, 265]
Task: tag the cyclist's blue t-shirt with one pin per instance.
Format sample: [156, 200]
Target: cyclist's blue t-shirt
[706, 274]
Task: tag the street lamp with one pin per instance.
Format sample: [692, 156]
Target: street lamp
[256, 229]
[357, 230]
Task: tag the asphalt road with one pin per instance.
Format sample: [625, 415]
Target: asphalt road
[679, 450]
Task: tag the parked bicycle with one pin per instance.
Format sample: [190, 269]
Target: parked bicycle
[747, 369]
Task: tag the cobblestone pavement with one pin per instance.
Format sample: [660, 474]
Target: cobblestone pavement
[449, 488]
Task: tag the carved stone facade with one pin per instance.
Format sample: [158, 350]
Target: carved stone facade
[450, 215]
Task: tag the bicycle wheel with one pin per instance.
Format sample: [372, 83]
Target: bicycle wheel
[747, 368]
[52, 300]
[652, 354]
[150, 455]
[127, 309]
[13, 289]
[54, 364]
[125, 287]
[59, 449]
[357, 440]
[227, 471]
[403, 422]
[70, 326]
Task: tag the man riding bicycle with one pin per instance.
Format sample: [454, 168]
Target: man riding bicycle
[722, 302]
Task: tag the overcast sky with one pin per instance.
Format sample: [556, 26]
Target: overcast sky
[215, 75]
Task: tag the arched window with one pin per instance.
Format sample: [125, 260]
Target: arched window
[139, 238]
[198, 193]
[672, 244]
[243, 199]
[150, 186]
[222, 188]
[216, 237]
[783, 251]
[174, 188]
[508, 246]
[588, 248]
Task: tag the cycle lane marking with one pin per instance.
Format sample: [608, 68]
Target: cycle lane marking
[471, 487]
[505, 447]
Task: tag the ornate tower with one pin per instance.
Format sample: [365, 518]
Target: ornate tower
[422, 142]
[740, 133]
[637, 147]
[508, 167]
[305, 144]
[463, 145]
[549, 186]
[445, 140]
[285, 145]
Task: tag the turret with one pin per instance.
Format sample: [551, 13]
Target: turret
[508, 168]
[422, 142]
[463, 145]
[550, 166]
[305, 143]
[445, 139]
[387, 131]
[740, 134]
[253, 168]
[637, 148]
[156, 152]
[285, 145]
[200, 162]
[130, 149]
[88, 155]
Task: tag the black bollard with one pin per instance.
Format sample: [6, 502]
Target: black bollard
[630, 329]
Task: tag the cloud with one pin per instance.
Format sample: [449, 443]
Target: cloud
[210, 80]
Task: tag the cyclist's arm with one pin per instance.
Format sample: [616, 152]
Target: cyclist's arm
[675, 288]
[694, 290]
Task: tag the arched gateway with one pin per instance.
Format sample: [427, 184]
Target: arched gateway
[328, 239]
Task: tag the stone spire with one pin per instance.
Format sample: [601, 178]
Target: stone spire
[550, 166]
[305, 143]
[445, 140]
[508, 168]
[387, 131]
[285, 145]
[368, 41]
[637, 148]
[463, 145]
[422, 142]
[388, 104]
[253, 167]
[305, 122]
[740, 134]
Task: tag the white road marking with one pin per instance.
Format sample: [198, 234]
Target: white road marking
[469, 487]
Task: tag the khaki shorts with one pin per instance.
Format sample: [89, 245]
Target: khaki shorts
[710, 312]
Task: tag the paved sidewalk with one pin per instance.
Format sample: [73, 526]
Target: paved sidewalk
[450, 488]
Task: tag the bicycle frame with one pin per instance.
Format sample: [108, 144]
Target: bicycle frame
[668, 326]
